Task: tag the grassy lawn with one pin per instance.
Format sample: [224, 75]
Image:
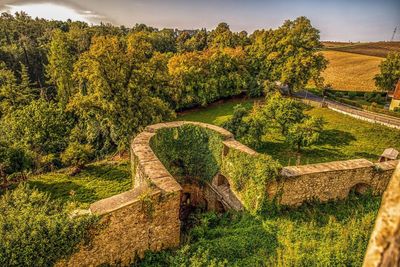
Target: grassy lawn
[97, 181]
[343, 137]
[349, 71]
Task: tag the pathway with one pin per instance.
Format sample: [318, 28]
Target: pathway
[352, 111]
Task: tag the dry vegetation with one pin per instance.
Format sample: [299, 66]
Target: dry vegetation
[353, 72]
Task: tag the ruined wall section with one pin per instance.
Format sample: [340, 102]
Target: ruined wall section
[330, 181]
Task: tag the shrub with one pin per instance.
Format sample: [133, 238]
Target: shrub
[77, 155]
[35, 231]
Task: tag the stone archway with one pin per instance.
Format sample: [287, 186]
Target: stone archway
[361, 188]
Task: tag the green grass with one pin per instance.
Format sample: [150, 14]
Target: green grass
[343, 137]
[97, 181]
[330, 234]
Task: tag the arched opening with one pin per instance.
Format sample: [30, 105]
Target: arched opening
[361, 189]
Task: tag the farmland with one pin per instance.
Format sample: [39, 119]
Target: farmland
[352, 72]
[378, 49]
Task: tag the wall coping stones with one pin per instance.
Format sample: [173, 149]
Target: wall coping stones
[224, 133]
[387, 165]
[119, 201]
[292, 171]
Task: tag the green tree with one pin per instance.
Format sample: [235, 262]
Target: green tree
[114, 105]
[389, 72]
[283, 111]
[305, 133]
[12, 94]
[221, 37]
[59, 70]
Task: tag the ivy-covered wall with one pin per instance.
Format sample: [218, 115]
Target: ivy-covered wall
[195, 152]
[189, 151]
[249, 175]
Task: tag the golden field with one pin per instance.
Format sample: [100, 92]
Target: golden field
[352, 72]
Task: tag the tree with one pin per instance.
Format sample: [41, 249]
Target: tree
[289, 54]
[305, 133]
[59, 70]
[12, 94]
[112, 106]
[283, 111]
[389, 72]
[221, 37]
[248, 126]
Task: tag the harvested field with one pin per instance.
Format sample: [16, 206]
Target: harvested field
[378, 49]
[351, 72]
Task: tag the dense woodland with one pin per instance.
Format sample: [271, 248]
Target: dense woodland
[70, 92]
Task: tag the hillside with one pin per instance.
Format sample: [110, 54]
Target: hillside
[378, 49]
[349, 71]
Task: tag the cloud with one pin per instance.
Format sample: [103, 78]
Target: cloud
[74, 9]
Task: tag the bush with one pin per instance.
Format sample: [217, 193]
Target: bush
[35, 231]
[77, 155]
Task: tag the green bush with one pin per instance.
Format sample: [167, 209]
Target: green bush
[189, 151]
[35, 231]
[77, 154]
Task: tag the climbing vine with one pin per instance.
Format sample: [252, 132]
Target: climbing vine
[249, 175]
[189, 151]
[194, 152]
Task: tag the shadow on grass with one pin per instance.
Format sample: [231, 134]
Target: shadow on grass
[336, 138]
[107, 172]
[66, 191]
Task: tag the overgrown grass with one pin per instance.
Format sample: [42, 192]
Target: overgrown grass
[331, 234]
[343, 137]
[97, 181]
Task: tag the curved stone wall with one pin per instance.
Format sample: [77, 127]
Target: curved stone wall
[147, 217]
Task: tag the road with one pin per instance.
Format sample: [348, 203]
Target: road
[352, 111]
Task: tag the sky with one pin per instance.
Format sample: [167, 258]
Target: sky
[339, 20]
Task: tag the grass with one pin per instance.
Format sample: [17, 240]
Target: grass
[378, 49]
[97, 181]
[330, 234]
[343, 137]
[353, 72]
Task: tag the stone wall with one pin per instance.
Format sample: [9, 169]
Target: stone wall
[130, 224]
[330, 181]
[148, 216]
[384, 244]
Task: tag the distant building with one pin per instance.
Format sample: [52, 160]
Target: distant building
[389, 154]
[395, 97]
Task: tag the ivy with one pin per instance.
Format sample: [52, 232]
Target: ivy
[193, 152]
[189, 151]
[249, 176]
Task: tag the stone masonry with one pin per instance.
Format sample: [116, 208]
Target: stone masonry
[148, 216]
